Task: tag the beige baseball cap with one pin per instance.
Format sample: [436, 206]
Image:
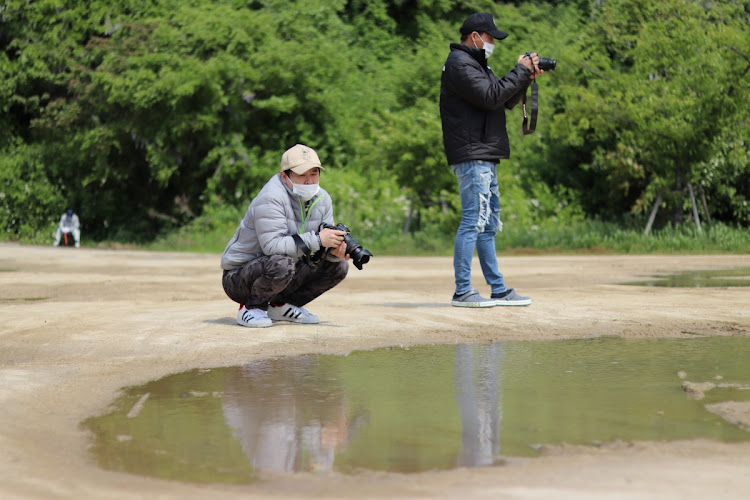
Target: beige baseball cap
[299, 159]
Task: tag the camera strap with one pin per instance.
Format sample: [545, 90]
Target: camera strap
[313, 261]
[301, 244]
[529, 128]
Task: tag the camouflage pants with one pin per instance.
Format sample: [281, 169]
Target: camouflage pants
[277, 279]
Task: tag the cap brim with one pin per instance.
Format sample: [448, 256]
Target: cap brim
[301, 169]
[497, 34]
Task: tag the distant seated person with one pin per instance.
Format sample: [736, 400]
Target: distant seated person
[282, 257]
[69, 225]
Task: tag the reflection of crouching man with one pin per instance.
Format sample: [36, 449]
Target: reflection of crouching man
[277, 260]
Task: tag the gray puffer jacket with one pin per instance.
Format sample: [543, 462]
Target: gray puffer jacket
[271, 219]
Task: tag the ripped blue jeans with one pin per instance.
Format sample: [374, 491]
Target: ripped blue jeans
[480, 222]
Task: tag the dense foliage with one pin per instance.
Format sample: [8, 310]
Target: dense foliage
[148, 116]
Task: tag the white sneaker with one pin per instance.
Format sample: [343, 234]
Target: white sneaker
[288, 312]
[253, 318]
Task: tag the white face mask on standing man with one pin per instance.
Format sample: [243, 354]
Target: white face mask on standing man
[488, 48]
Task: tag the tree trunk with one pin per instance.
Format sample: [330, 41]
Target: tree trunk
[677, 208]
[407, 224]
[705, 205]
[653, 214]
[695, 207]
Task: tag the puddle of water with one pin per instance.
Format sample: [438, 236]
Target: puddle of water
[419, 408]
[698, 279]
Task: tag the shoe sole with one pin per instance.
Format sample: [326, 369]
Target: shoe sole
[302, 322]
[513, 302]
[255, 326]
[456, 303]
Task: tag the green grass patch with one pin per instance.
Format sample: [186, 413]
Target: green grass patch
[588, 237]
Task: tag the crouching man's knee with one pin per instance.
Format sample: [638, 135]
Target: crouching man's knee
[280, 267]
[334, 273]
[340, 269]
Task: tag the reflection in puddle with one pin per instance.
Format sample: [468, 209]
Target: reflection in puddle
[699, 279]
[421, 408]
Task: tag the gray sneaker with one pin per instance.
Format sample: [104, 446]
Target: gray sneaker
[471, 299]
[510, 298]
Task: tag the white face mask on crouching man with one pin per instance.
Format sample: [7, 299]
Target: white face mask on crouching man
[305, 191]
[300, 160]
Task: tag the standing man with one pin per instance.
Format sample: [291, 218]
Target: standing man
[278, 260]
[69, 224]
[472, 109]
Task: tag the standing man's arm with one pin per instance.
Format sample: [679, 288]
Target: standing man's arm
[531, 64]
[469, 80]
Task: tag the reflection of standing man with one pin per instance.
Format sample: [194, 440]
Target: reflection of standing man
[478, 387]
[69, 224]
[472, 109]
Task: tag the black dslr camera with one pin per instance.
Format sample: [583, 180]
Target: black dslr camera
[545, 63]
[354, 249]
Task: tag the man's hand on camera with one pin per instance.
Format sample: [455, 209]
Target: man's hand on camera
[331, 238]
[340, 251]
[532, 63]
[334, 239]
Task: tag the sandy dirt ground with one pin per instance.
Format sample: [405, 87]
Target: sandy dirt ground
[76, 325]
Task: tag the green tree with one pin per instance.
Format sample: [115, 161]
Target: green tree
[658, 87]
[143, 116]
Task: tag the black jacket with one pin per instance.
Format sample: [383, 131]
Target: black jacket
[472, 105]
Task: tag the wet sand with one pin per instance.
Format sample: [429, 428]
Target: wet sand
[76, 325]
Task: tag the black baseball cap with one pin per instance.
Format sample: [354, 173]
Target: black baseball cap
[482, 22]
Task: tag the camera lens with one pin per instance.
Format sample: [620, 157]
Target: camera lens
[547, 64]
[359, 255]
[354, 249]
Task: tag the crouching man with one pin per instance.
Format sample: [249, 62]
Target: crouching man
[277, 260]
